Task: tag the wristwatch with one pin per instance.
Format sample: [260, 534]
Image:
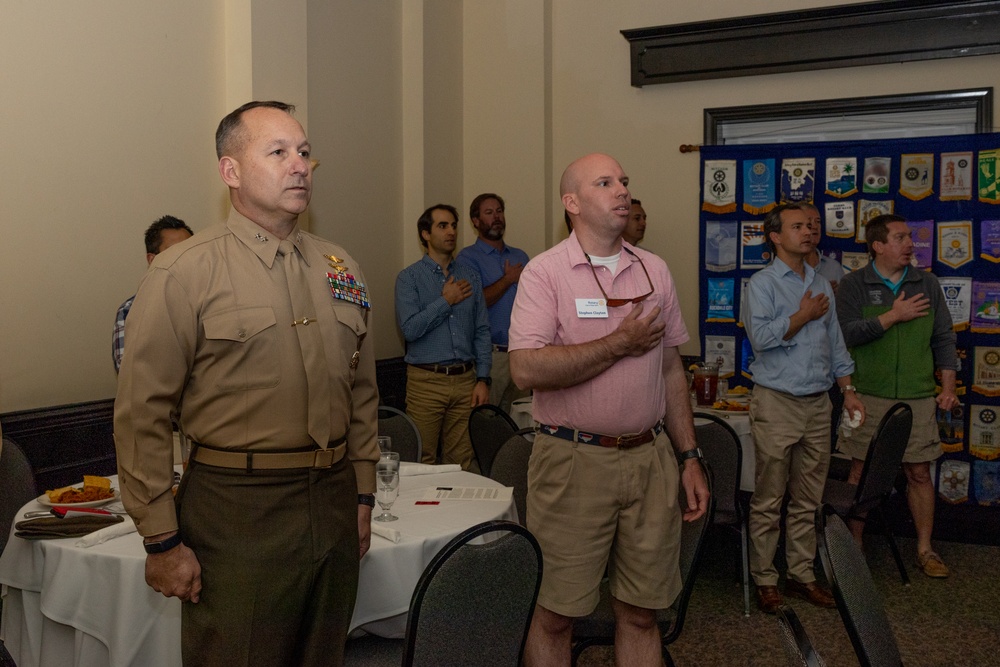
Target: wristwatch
[488, 381]
[848, 387]
[163, 545]
[691, 454]
[366, 499]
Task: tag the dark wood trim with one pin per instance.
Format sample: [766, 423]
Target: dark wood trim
[869, 33]
[981, 99]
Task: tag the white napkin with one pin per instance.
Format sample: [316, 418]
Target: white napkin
[104, 534]
[410, 469]
[388, 533]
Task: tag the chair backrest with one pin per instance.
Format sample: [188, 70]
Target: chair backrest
[721, 447]
[510, 468]
[798, 647]
[474, 602]
[860, 605]
[692, 540]
[489, 428]
[405, 436]
[17, 479]
[885, 456]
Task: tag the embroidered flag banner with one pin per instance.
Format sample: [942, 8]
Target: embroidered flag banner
[798, 179]
[720, 186]
[744, 283]
[989, 179]
[759, 186]
[839, 219]
[956, 176]
[955, 243]
[916, 172]
[958, 297]
[951, 429]
[853, 261]
[953, 484]
[841, 176]
[877, 175]
[869, 209]
[985, 307]
[720, 246]
[989, 240]
[722, 351]
[720, 300]
[986, 380]
[984, 434]
[923, 243]
[986, 482]
[754, 253]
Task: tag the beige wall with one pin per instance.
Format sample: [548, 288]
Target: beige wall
[110, 108]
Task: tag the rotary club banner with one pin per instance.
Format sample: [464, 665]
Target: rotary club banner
[720, 300]
[951, 429]
[744, 286]
[985, 307]
[722, 350]
[758, 186]
[958, 297]
[853, 261]
[720, 186]
[923, 243]
[876, 180]
[841, 176]
[956, 176]
[839, 217]
[989, 179]
[986, 373]
[720, 246]
[955, 243]
[986, 482]
[984, 432]
[916, 175]
[989, 237]
[754, 253]
[798, 179]
[869, 209]
[746, 358]
[953, 483]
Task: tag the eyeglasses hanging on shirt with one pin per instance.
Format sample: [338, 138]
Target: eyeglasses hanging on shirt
[616, 303]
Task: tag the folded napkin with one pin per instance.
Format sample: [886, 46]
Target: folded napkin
[410, 469]
[53, 528]
[388, 533]
[104, 534]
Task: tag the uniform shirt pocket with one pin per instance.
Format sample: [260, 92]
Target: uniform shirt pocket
[243, 347]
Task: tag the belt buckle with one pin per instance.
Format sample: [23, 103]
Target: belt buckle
[620, 441]
[323, 458]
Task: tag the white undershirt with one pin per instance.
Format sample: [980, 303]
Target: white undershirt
[610, 262]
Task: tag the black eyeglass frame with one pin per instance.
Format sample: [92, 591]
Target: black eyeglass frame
[616, 303]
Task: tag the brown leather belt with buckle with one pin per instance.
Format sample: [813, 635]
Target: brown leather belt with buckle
[269, 460]
[454, 369]
[620, 441]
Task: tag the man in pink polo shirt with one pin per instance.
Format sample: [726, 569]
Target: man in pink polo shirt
[594, 332]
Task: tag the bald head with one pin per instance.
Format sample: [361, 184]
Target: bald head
[594, 191]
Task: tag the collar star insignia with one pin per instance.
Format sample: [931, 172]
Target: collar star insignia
[260, 237]
[298, 237]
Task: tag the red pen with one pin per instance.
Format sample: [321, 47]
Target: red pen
[427, 502]
[63, 511]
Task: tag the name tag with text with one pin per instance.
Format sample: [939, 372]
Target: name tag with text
[593, 308]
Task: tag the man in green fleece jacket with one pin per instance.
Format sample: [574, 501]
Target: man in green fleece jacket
[899, 331]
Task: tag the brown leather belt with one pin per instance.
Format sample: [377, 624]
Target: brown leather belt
[620, 441]
[269, 460]
[453, 369]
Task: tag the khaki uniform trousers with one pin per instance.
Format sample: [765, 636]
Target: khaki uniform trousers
[792, 443]
[440, 405]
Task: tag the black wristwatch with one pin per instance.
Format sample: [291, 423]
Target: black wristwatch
[488, 381]
[163, 545]
[691, 454]
[366, 499]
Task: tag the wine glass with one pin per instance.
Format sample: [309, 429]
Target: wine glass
[388, 461]
[386, 492]
[384, 443]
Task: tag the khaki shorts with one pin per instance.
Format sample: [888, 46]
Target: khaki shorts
[594, 507]
[924, 444]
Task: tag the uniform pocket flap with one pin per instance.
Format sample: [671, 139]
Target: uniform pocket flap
[239, 325]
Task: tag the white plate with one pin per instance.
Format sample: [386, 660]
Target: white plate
[44, 500]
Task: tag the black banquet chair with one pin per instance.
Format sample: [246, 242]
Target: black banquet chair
[510, 468]
[721, 447]
[798, 647]
[405, 436]
[472, 605]
[598, 628]
[878, 476]
[489, 428]
[861, 607]
[17, 479]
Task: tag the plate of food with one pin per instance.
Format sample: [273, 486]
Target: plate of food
[94, 492]
[732, 405]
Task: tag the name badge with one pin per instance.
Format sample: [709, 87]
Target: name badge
[593, 308]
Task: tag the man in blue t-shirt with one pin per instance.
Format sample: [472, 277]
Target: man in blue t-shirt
[499, 266]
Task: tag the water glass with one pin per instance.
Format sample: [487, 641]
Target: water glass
[388, 461]
[384, 443]
[386, 492]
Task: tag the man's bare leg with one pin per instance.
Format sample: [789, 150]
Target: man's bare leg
[637, 636]
[550, 638]
[920, 497]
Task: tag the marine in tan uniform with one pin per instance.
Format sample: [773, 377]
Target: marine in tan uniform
[256, 334]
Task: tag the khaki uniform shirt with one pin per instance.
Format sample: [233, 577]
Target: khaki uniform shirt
[210, 339]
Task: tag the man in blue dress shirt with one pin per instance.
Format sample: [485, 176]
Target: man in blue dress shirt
[798, 353]
[499, 267]
[441, 311]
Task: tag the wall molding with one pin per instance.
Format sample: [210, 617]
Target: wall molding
[869, 33]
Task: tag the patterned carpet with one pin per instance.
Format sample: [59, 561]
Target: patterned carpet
[953, 622]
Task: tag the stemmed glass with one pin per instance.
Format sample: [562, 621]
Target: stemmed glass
[384, 444]
[388, 461]
[386, 492]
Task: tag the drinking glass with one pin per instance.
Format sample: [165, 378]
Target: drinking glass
[386, 492]
[384, 443]
[388, 461]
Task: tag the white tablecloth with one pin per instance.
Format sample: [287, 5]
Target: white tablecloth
[64, 605]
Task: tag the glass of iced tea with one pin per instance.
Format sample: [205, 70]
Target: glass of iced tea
[706, 383]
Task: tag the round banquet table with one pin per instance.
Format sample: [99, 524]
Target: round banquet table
[69, 605]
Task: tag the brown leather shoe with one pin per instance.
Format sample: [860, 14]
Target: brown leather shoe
[769, 599]
[812, 592]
